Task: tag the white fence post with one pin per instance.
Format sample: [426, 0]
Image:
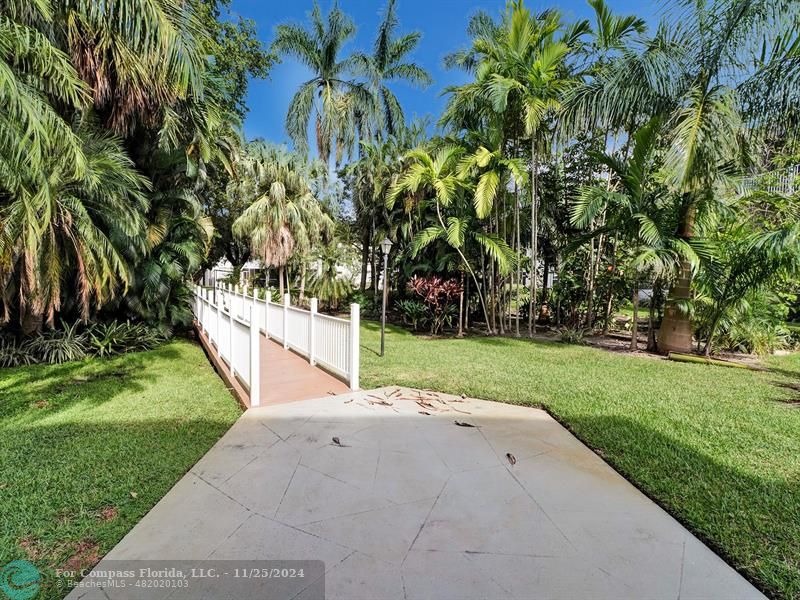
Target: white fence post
[255, 374]
[286, 301]
[267, 302]
[355, 349]
[312, 332]
[206, 312]
[230, 342]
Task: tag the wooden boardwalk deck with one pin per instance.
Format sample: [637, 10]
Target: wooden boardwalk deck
[285, 376]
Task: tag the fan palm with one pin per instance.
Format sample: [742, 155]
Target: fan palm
[285, 217]
[341, 107]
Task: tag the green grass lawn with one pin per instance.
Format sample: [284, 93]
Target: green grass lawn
[88, 448]
[719, 448]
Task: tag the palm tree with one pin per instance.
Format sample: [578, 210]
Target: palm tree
[722, 69]
[63, 233]
[520, 67]
[137, 58]
[35, 76]
[389, 63]
[436, 177]
[610, 33]
[639, 214]
[326, 283]
[341, 107]
[285, 217]
[743, 263]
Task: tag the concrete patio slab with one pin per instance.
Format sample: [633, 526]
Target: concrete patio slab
[412, 505]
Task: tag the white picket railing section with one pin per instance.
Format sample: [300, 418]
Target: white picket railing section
[784, 181]
[232, 320]
[235, 337]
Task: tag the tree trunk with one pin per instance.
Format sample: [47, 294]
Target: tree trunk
[711, 333]
[466, 308]
[31, 323]
[635, 324]
[675, 334]
[364, 261]
[461, 308]
[534, 239]
[590, 284]
[651, 327]
[545, 277]
[610, 299]
[280, 281]
[518, 240]
[303, 282]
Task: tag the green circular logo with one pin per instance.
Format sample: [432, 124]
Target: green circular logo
[20, 580]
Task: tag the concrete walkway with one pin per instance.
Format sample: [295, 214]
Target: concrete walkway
[412, 505]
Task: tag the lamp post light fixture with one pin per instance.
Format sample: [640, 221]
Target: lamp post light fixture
[386, 247]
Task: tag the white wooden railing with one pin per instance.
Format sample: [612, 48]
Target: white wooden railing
[784, 181]
[233, 319]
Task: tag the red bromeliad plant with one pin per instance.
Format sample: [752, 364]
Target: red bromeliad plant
[439, 296]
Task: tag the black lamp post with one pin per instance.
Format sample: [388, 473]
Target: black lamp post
[386, 247]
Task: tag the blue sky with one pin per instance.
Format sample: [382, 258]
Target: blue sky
[443, 26]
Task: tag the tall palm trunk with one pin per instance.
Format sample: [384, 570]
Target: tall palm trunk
[461, 308]
[675, 334]
[635, 324]
[303, 282]
[518, 249]
[651, 326]
[280, 281]
[534, 238]
[468, 267]
[364, 260]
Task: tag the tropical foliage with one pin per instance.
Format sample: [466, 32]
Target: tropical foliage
[593, 164]
[116, 116]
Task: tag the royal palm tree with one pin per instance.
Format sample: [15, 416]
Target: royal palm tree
[342, 108]
[389, 63]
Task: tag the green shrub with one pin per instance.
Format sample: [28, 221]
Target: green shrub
[60, 345]
[368, 306]
[14, 354]
[107, 339]
[573, 335]
[415, 314]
